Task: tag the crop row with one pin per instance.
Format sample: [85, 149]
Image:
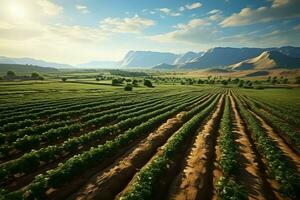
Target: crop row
[107, 104]
[291, 134]
[31, 161]
[74, 166]
[144, 183]
[277, 111]
[280, 170]
[227, 187]
[34, 141]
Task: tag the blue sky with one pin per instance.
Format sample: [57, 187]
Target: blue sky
[76, 31]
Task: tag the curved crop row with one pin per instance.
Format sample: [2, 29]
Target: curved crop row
[144, 182]
[280, 170]
[292, 135]
[67, 171]
[27, 143]
[31, 161]
[277, 111]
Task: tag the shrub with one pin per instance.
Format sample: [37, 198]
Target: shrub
[11, 74]
[115, 82]
[128, 87]
[147, 83]
[64, 79]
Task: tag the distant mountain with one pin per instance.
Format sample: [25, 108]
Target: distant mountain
[289, 50]
[99, 64]
[187, 57]
[224, 56]
[31, 61]
[146, 59]
[17, 68]
[164, 66]
[268, 60]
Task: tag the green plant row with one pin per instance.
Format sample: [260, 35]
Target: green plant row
[31, 161]
[28, 143]
[34, 130]
[74, 166]
[287, 177]
[277, 111]
[144, 183]
[287, 131]
[227, 187]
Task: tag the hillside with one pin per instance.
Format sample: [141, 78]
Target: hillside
[31, 61]
[222, 56]
[146, 59]
[187, 57]
[24, 69]
[164, 66]
[268, 60]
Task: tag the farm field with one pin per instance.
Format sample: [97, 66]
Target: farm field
[166, 142]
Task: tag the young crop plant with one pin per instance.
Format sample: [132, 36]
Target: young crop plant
[287, 177]
[227, 187]
[143, 186]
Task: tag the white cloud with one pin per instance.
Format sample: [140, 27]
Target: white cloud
[279, 9]
[214, 11]
[165, 10]
[193, 32]
[168, 12]
[49, 7]
[193, 5]
[126, 25]
[82, 8]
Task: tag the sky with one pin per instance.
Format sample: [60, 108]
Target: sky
[79, 31]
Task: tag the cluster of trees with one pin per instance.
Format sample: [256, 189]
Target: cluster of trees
[275, 80]
[130, 83]
[123, 73]
[11, 75]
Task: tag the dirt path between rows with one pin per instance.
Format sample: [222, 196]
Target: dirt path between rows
[196, 178]
[271, 185]
[293, 158]
[107, 184]
[249, 174]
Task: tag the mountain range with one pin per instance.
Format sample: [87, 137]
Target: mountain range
[268, 60]
[218, 57]
[31, 61]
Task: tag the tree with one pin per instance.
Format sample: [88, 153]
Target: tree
[64, 79]
[147, 83]
[11, 74]
[224, 82]
[115, 82]
[241, 83]
[35, 75]
[128, 87]
[135, 83]
[285, 81]
[297, 80]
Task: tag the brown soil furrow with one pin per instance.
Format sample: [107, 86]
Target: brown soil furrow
[293, 158]
[249, 174]
[271, 186]
[196, 179]
[217, 172]
[106, 184]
